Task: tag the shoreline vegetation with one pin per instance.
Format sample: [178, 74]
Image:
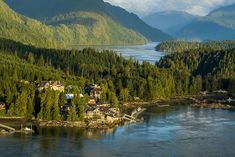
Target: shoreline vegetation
[66, 86]
[210, 101]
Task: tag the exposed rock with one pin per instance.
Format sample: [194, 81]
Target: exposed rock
[103, 124]
[95, 124]
[4, 132]
[62, 124]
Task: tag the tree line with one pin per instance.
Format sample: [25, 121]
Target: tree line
[182, 46]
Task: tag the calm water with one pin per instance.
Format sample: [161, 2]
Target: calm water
[169, 132]
[139, 52]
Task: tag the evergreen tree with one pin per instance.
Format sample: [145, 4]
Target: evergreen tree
[62, 100]
[21, 104]
[31, 58]
[114, 99]
[72, 114]
[81, 108]
[55, 107]
[46, 104]
[124, 95]
[41, 61]
[30, 102]
[15, 75]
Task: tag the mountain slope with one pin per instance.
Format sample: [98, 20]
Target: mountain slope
[169, 21]
[224, 16]
[207, 30]
[44, 9]
[218, 25]
[103, 30]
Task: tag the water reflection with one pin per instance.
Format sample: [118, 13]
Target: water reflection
[171, 131]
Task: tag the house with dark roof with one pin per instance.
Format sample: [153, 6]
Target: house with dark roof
[94, 91]
[2, 106]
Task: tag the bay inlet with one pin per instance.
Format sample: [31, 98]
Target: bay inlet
[141, 53]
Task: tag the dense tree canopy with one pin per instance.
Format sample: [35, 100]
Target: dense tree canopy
[23, 67]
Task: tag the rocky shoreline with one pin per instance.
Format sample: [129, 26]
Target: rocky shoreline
[96, 124]
[198, 101]
[208, 101]
[4, 132]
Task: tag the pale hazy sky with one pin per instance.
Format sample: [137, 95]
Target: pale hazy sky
[145, 7]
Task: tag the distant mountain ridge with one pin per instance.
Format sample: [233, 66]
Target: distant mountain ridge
[217, 25]
[169, 21]
[228, 8]
[43, 10]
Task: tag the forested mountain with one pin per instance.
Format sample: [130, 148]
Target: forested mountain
[170, 21]
[103, 30]
[218, 25]
[57, 12]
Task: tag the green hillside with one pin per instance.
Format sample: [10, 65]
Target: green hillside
[43, 10]
[103, 30]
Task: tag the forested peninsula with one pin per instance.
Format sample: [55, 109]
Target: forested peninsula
[36, 83]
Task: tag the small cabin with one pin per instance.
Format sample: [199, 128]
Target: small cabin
[57, 86]
[53, 85]
[2, 106]
[94, 91]
[92, 101]
[103, 104]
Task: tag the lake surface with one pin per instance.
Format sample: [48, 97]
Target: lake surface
[139, 52]
[166, 132]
